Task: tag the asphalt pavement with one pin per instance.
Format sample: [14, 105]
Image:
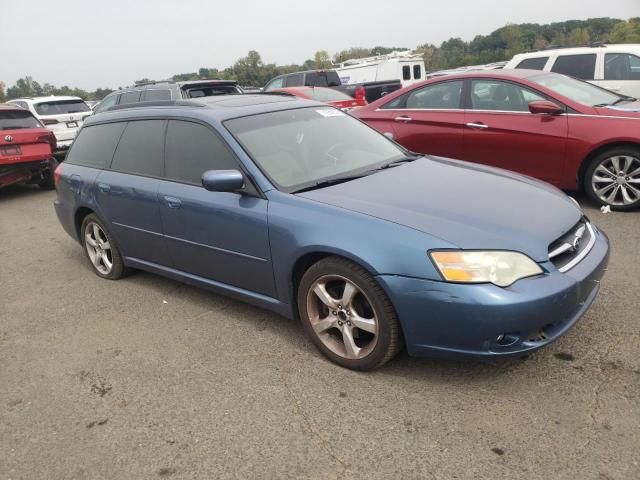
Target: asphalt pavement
[147, 378]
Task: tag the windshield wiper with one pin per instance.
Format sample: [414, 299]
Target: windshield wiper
[620, 100]
[409, 157]
[333, 181]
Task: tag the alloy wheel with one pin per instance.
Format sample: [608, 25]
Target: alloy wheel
[98, 248]
[342, 317]
[616, 180]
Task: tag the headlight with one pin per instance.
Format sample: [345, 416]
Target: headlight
[497, 267]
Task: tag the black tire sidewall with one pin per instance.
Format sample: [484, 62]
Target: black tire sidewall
[118, 270]
[389, 335]
[588, 187]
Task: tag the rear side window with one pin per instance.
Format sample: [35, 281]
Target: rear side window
[417, 72]
[95, 145]
[578, 66]
[15, 119]
[140, 149]
[621, 66]
[276, 83]
[191, 149]
[109, 101]
[130, 97]
[156, 95]
[536, 63]
[406, 72]
[294, 80]
[322, 79]
[61, 107]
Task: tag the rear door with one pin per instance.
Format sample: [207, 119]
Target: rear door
[429, 119]
[128, 191]
[500, 131]
[222, 236]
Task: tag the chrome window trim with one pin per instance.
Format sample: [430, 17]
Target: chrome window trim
[584, 253]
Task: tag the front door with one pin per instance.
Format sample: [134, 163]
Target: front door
[501, 132]
[222, 236]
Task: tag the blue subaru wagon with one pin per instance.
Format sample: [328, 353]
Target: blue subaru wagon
[299, 208]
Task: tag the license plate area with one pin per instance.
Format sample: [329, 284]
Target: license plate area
[72, 124]
[10, 151]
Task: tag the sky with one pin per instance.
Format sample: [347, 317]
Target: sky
[111, 43]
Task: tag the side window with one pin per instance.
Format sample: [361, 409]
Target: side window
[578, 66]
[441, 95]
[621, 66]
[109, 101]
[294, 80]
[130, 97]
[406, 72]
[503, 96]
[191, 149]
[140, 149]
[417, 72]
[276, 83]
[156, 95]
[95, 145]
[535, 63]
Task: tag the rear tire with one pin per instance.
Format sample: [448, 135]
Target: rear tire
[47, 182]
[613, 178]
[101, 249]
[347, 315]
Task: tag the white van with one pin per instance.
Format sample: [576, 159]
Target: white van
[405, 66]
[615, 67]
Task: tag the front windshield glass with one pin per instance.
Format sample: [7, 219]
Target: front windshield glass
[577, 90]
[300, 148]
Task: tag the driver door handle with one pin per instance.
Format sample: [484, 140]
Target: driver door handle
[173, 202]
[478, 126]
[403, 118]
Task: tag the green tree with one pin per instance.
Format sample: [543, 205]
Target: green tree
[322, 59]
[579, 36]
[3, 94]
[626, 32]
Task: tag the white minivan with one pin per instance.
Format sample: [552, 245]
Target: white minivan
[60, 114]
[615, 67]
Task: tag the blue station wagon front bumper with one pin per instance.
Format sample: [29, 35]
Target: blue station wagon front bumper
[446, 319]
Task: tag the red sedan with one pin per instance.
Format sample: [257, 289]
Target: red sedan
[545, 125]
[326, 95]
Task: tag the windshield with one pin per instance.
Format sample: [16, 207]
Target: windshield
[14, 119]
[327, 95]
[61, 107]
[300, 148]
[577, 90]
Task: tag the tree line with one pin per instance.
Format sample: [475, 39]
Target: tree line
[499, 45]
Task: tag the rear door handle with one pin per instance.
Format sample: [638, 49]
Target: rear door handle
[173, 202]
[104, 187]
[480, 126]
[403, 118]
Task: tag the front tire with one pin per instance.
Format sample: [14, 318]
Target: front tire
[101, 250]
[347, 315]
[613, 178]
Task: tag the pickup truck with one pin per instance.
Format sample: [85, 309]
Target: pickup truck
[371, 91]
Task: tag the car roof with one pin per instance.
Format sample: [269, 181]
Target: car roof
[498, 73]
[50, 98]
[578, 50]
[217, 108]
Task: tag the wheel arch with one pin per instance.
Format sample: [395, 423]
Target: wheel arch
[599, 150]
[79, 216]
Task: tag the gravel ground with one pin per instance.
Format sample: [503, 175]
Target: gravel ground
[147, 378]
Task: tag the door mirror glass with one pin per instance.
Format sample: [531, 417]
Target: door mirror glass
[545, 107]
[222, 180]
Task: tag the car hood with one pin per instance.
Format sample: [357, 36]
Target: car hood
[631, 110]
[470, 206]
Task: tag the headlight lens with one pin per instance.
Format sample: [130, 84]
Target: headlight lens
[498, 267]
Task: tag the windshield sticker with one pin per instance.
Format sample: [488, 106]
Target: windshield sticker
[331, 112]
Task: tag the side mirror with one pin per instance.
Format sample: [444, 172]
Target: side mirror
[545, 107]
[222, 180]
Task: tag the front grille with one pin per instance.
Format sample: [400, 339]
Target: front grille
[567, 251]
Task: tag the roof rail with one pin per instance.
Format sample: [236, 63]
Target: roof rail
[158, 103]
[598, 44]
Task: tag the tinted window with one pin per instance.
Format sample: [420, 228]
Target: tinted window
[406, 72]
[130, 97]
[322, 79]
[417, 72]
[95, 145]
[277, 83]
[536, 63]
[156, 95]
[13, 119]
[441, 95]
[621, 66]
[61, 107]
[505, 96]
[294, 80]
[578, 66]
[212, 91]
[140, 149]
[109, 101]
[192, 149]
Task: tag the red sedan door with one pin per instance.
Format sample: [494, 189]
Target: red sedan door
[500, 131]
[425, 120]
